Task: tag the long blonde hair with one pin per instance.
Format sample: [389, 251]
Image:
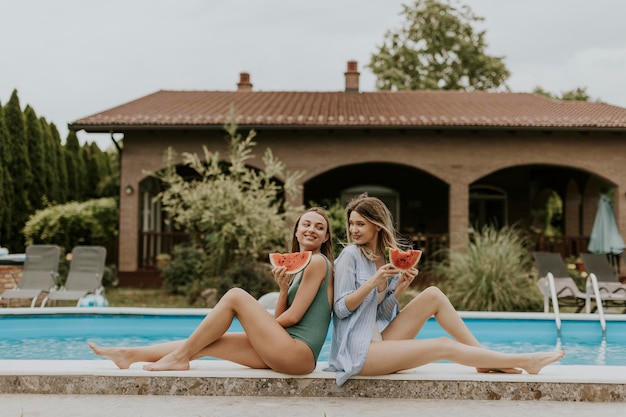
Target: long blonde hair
[374, 210]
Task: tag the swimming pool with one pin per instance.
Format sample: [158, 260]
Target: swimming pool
[62, 333]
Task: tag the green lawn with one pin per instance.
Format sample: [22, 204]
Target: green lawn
[137, 297]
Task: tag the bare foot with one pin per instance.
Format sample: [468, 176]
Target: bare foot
[498, 371]
[119, 356]
[538, 360]
[169, 362]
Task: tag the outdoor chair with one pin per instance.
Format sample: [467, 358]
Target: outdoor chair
[40, 270]
[84, 276]
[567, 292]
[612, 291]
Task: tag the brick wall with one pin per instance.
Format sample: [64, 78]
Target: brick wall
[455, 158]
[6, 283]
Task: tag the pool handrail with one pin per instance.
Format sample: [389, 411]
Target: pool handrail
[555, 300]
[592, 281]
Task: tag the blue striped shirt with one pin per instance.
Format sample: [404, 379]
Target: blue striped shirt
[352, 330]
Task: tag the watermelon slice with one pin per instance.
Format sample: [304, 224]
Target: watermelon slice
[294, 261]
[404, 260]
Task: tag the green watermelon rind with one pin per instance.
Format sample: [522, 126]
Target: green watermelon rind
[288, 260]
[396, 255]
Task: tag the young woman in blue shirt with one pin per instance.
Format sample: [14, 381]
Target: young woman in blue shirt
[372, 336]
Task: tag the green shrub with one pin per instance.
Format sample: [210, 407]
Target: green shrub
[254, 277]
[93, 222]
[190, 272]
[233, 211]
[189, 265]
[493, 274]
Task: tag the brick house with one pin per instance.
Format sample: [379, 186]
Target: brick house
[442, 160]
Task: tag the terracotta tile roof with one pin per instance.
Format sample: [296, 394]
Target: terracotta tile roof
[369, 109]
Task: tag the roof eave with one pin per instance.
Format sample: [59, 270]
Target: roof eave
[109, 128]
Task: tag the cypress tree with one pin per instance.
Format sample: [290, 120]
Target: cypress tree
[62, 167]
[51, 163]
[92, 177]
[75, 168]
[19, 171]
[37, 158]
[6, 185]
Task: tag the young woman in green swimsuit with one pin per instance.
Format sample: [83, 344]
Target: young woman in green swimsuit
[288, 342]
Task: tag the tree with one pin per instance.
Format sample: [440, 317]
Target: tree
[61, 162]
[109, 185]
[19, 170]
[75, 167]
[51, 163]
[437, 49]
[6, 185]
[37, 158]
[233, 212]
[576, 94]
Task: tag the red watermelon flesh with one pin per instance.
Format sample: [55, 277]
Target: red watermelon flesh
[404, 260]
[294, 262]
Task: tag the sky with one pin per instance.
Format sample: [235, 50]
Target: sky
[69, 59]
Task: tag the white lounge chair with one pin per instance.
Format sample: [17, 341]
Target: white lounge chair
[612, 291]
[40, 270]
[84, 276]
[567, 292]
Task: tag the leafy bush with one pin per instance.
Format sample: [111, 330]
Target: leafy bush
[493, 274]
[190, 273]
[254, 277]
[92, 222]
[189, 265]
[232, 211]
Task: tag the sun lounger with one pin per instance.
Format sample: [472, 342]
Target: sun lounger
[84, 276]
[612, 291]
[40, 270]
[567, 292]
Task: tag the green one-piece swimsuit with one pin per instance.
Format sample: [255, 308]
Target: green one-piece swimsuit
[313, 327]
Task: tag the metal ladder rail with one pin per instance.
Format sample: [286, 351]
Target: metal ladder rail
[596, 290]
[555, 301]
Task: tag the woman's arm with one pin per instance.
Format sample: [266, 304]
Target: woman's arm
[349, 292]
[314, 275]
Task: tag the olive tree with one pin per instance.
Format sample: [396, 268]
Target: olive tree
[232, 211]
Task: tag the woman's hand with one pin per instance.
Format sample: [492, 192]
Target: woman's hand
[405, 280]
[282, 278]
[383, 274]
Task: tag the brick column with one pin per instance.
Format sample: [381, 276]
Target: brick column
[459, 216]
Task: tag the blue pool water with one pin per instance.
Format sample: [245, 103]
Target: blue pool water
[65, 336]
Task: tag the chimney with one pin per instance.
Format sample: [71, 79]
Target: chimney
[244, 82]
[352, 78]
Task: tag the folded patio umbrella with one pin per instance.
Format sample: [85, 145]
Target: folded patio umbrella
[605, 236]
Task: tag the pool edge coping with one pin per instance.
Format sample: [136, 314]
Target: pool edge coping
[223, 378]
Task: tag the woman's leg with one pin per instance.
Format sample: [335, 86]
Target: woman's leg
[123, 357]
[430, 302]
[389, 356]
[433, 302]
[264, 336]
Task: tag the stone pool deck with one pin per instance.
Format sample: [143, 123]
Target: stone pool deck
[438, 381]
